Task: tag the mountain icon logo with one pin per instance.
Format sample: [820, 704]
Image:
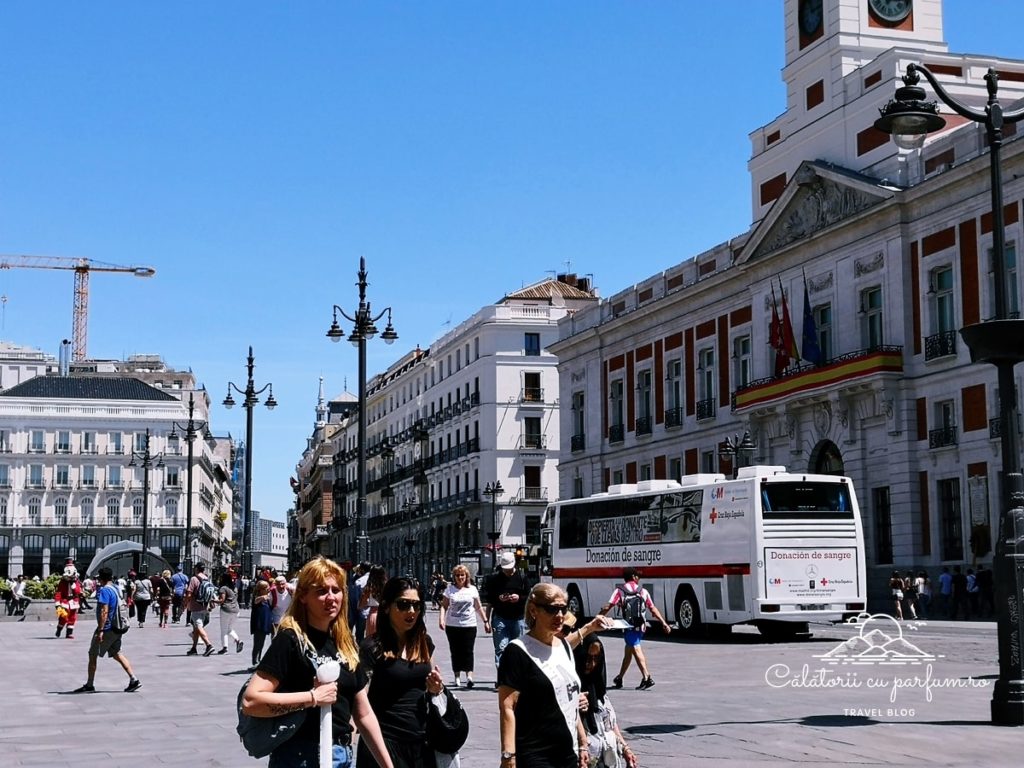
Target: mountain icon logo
[880, 641]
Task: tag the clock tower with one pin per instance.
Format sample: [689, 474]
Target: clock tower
[841, 59]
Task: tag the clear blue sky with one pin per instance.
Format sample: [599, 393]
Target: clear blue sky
[253, 151]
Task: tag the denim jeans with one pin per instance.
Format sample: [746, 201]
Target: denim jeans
[306, 754]
[504, 631]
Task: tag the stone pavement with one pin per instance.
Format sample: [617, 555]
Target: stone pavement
[740, 702]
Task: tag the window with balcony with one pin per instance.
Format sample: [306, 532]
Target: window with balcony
[942, 342]
[1010, 280]
[673, 393]
[88, 478]
[706, 383]
[35, 511]
[945, 433]
[643, 403]
[114, 476]
[531, 344]
[113, 511]
[138, 507]
[3, 511]
[36, 441]
[60, 512]
[883, 525]
[173, 476]
[532, 392]
[951, 519]
[140, 441]
[62, 476]
[171, 512]
[88, 508]
[115, 444]
[871, 313]
[5, 476]
[532, 490]
[616, 430]
[532, 437]
[823, 322]
[578, 421]
[35, 476]
[5, 441]
[741, 361]
[63, 444]
[88, 442]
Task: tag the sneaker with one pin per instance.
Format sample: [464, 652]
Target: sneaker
[457, 683]
[87, 688]
[133, 685]
[208, 651]
[644, 685]
[469, 683]
[239, 645]
[221, 652]
[191, 652]
[616, 682]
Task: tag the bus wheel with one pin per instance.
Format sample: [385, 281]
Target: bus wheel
[688, 614]
[782, 630]
[576, 605]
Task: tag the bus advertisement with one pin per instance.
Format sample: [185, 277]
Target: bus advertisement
[769, 548]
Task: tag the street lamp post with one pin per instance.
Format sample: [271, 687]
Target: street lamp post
[363, 329]
[410, 540]
[494, 491]
[191, 430]
[735, 449]
[251, 400]
[145, 458]
[909, 118]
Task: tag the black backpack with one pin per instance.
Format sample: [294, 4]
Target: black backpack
[633, 607]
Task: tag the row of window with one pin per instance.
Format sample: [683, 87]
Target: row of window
[951, 523]
[88, 476]
[86, 512]
[60, 441]
[35, 543]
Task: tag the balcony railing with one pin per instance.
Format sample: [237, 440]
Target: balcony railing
[530, 495]
[643, 425]
[940, 345]
[995, 427]
[532, 442]
[706, 408]
[942, 438]
[531, 395]
[578, 442]
[673, 417]
[616, 433]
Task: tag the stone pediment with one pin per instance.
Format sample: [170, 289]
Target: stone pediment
[818, 196]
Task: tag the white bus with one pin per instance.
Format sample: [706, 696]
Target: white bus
[769, 548]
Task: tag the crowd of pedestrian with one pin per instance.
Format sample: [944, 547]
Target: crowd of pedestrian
[958, 594]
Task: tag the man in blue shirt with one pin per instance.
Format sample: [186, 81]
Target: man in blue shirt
[106, 642]
[179, 581]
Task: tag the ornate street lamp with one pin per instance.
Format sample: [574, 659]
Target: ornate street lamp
[191, 429]
[735, 449]
[363, 329]
[998, 342]
[146, 459]
[494, 491]
[251, 395]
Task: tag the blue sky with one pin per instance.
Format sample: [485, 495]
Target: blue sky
[252, 151]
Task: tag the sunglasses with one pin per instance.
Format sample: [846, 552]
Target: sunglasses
[409, 605]
[552, 610]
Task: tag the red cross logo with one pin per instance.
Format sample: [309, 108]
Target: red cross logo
[824, 582]
[713, 516]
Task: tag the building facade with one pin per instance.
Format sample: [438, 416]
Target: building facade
[882, 254]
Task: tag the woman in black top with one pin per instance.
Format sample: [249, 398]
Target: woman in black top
[315, 628]
[399, 660]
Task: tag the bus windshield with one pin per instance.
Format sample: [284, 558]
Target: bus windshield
[806, 500]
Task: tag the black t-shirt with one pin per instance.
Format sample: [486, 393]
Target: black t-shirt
[397, 692]
[498, 584]
[541, 736]
[287, 663]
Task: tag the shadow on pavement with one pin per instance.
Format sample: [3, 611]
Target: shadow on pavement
[641, 730]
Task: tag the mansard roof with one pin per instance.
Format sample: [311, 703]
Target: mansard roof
[91, 387]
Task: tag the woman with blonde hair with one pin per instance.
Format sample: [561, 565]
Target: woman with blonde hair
[460, 606]
[314, 630]
[538, 690]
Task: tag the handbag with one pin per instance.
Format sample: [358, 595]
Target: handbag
[447, 723]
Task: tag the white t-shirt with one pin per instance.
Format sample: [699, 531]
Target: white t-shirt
[461, 606]
[279, 602]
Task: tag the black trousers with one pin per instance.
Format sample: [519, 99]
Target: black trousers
[461, 641]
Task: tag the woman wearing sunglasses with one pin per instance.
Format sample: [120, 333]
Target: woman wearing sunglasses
[538, 690]
[399, 660]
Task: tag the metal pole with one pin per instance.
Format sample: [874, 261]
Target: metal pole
[146, 459]
[362, 539]
[247, 507]
[190, 436]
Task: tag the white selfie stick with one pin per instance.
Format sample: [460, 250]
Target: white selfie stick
[327, 672]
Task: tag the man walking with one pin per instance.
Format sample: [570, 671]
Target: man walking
[280, 599]
[180, 583]
[634, 601]
[106, 642]
[199, 610]
[506, 592]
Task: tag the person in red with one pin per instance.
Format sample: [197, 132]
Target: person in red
[67, 597]
[634, 602]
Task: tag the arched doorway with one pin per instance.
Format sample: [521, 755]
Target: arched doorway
[826, 459]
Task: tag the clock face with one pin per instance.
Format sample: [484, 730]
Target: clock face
[810, 16]
[891, 10]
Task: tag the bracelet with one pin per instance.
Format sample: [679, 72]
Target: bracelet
[312, 698]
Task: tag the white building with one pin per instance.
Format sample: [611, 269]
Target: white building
[888, 251]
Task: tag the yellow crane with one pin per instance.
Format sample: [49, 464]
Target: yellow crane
[81, 267]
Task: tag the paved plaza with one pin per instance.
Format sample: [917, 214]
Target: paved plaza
[740, 702]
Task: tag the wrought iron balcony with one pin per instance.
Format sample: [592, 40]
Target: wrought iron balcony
[643, 425]
[706, 408]
[673, 417]
[616, 433]
[940, 345]
[532, 442]
[995, 427]
[942, 438]
[531, 395]
[578, 442]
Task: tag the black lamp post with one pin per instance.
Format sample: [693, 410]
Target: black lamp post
[735, 449]
[494, 491]
[410, 540]
[191, 431]
[909, 119]
[146, 459]
[363, 329]
[251, 395]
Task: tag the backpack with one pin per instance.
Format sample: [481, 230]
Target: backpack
[206, 593]
[633, 607]
[119, 621]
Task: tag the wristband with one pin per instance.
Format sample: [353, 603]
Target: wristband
[312, 697]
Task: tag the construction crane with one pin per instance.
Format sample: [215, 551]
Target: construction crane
[81, 267]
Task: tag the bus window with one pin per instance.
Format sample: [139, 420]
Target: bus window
[805, 500]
